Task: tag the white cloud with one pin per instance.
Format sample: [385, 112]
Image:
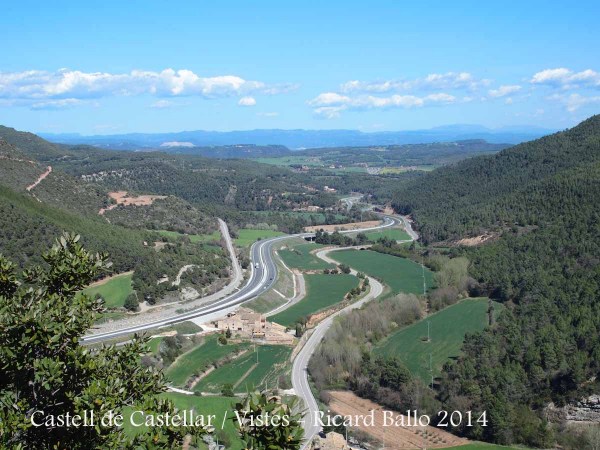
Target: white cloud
[567, 79]
[331, 104]
[329, 112]
[434, 81]
[329, 98]
[575, 101]
[39, 87]
[247, 101]
[56, 104]
[504, 90]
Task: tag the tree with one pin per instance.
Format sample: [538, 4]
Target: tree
[131, 302]
[227, 390]
[44, 367]
[256, 436]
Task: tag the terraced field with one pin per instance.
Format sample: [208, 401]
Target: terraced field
[198, 358]
[210, 405]
[322, 291]
[245, 373]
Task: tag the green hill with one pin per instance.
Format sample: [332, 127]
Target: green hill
[540, 200]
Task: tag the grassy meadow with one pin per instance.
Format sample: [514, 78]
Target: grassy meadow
[400, 274]
[114, 291]
[447, 330]
[322, 291]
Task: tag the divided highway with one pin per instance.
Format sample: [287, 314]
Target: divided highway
[262, 276]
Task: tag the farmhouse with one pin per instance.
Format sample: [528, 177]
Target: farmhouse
[243, 320]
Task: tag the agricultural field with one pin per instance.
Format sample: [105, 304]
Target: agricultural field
[299, 257]
[245, 373]
[486, 446]
[248, 236]
[213, 405]
[402, 169]
[392, 233]
[199, 358]
[214, 236]
[291, 160]
[400, 274]
[114, 291]
[447, 329]
[322, 291]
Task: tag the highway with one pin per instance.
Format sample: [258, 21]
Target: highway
[261, 278]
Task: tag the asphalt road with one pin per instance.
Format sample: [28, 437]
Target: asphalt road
[300, 381]
[261, 278]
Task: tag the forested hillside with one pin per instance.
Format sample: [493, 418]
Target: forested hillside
[479, 194]
[38, 202]
[541, 199]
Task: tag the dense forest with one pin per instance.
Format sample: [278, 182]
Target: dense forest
[539, 202]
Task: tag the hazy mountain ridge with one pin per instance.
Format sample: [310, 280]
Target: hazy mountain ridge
[298, 139]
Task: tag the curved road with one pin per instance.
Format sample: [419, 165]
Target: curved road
[300, 381]
[261, 278]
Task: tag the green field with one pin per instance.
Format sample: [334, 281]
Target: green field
[114, 291]
[391, 233]
[247, 236]
[187, 327]
[400, 274]
[322, 291]
[199, 358]
[299, 257]
[213, 405]
[214, 236]
[154, 344]
[245, 373]
[290, 160]
[447, 331]
[485, 446]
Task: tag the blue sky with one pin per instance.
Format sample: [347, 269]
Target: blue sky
[154, 66]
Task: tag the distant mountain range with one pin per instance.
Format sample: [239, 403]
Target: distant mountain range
[301, 139]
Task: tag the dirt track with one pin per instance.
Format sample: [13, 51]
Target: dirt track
[342, 226]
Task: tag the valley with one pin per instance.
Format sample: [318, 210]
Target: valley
[269, 278]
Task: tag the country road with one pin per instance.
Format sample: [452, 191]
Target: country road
[300, 381]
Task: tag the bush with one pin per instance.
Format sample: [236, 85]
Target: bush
[131, 302]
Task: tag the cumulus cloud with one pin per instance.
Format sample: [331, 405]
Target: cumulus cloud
[331, 104]
[41, 87]
[434, 81]
[247, 101]
[567, 79]
[504, 90]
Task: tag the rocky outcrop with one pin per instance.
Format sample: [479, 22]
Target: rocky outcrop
[587, 410]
